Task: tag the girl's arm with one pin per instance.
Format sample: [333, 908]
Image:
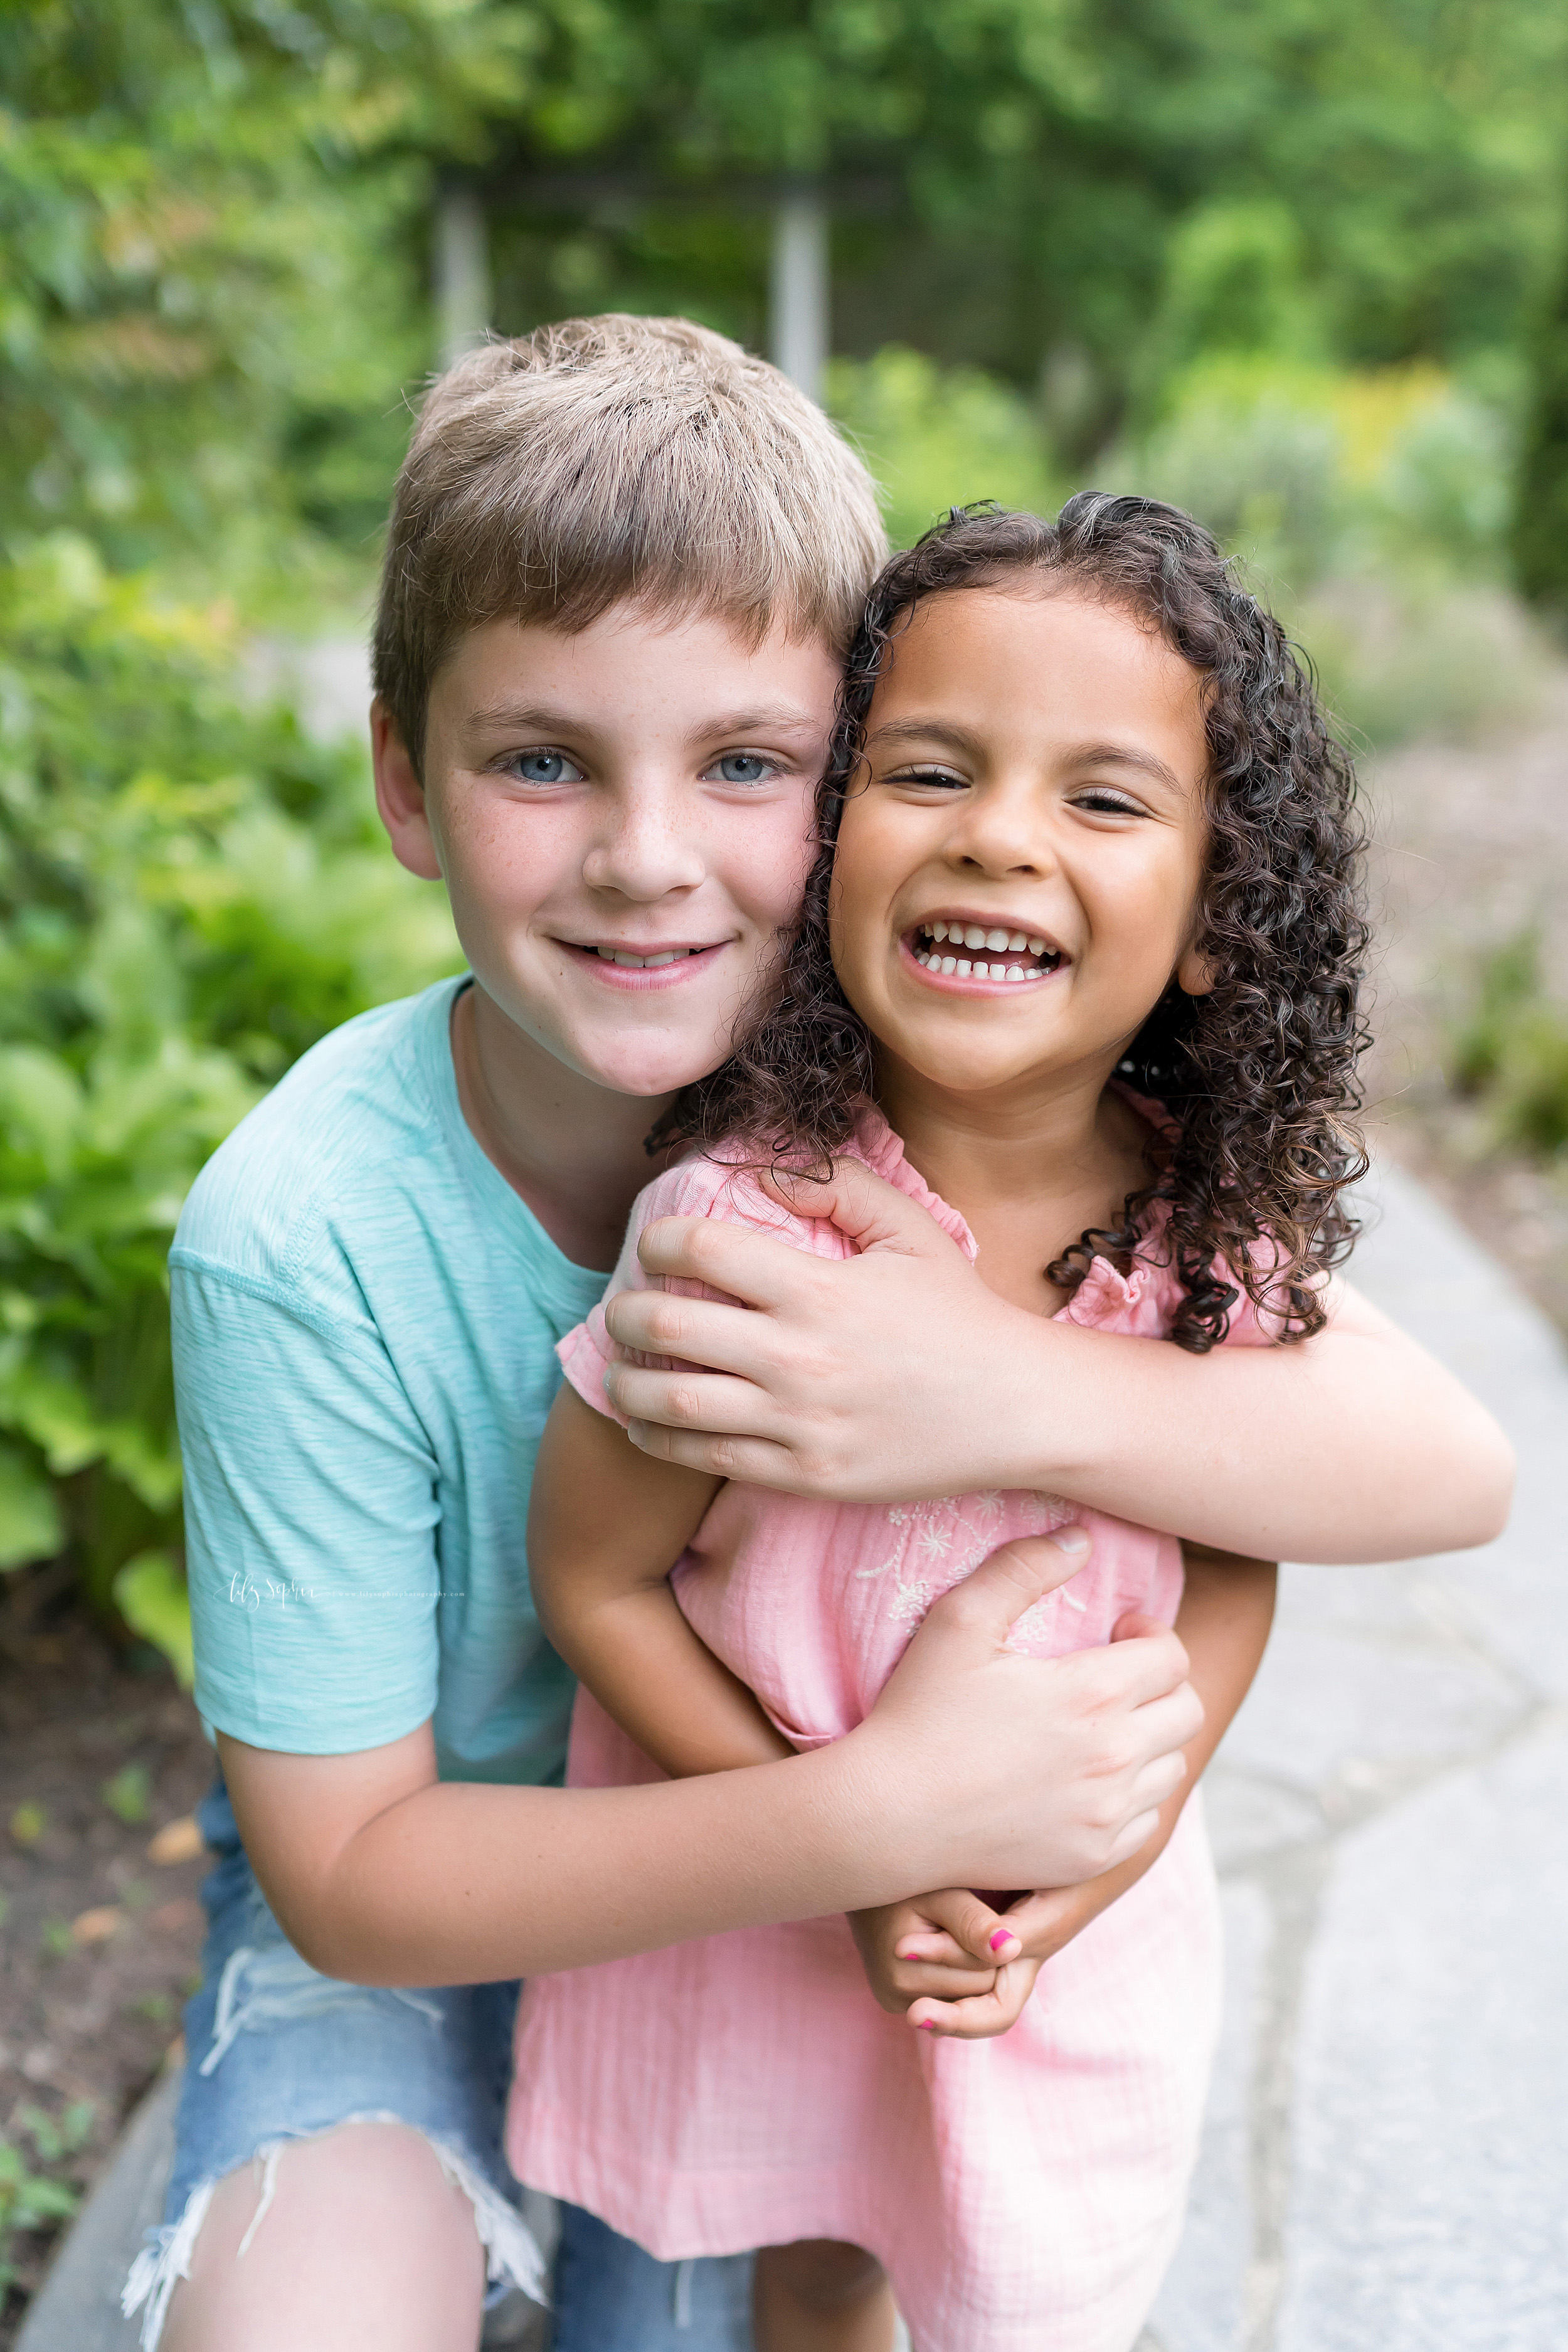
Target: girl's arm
[604, 1527]
[897, 1373]
[936, 1959]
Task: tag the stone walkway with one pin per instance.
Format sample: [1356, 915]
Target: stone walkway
[1385, 2166]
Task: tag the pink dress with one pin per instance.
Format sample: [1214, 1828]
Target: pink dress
[1024, 2193]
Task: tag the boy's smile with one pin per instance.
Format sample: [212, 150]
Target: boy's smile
[622, 816]
[1019, 860]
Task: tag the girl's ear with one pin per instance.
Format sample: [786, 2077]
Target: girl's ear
[1194, 973]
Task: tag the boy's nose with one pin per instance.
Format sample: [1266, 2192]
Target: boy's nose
[641, 854]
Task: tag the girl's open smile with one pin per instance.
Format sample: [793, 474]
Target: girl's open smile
[975, 952]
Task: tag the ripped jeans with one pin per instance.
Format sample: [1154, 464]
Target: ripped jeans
[276, 2051]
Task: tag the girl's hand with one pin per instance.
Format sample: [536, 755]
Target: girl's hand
[952, 1965]
[948, 1962]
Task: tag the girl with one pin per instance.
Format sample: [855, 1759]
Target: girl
[1076, 971]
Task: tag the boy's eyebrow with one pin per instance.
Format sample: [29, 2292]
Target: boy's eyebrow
[537, 717]
[1081, 755]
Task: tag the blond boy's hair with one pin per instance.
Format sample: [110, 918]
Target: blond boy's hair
[612, 458]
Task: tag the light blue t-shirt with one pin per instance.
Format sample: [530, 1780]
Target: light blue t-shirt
[366, 1318]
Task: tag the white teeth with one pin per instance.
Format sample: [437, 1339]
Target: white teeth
[974, 937]
[995, 939]
[1014, 971]
[938, 930]
[963, 967]
[1036, 946]
[1016, 940]
[641, 963]
[651, 963]
[949, 963]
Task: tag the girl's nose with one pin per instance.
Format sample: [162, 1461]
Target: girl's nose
[643, 851]
[997, 834]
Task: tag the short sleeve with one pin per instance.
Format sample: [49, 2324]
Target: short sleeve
[310, 1511]
[697, 1188]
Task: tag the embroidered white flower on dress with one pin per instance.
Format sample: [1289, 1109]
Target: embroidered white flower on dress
[909, 1602]
[937, 1528]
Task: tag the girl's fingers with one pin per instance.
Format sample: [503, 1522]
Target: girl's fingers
[981, 2016]
[976, 1931]
[916, 1980]
[937, 1950]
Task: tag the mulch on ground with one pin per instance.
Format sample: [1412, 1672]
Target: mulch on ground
[100, 1939]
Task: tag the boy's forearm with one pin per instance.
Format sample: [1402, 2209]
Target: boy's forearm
[455, 1882]
[876, 1381]
[1033, 1772]
[1354, 1446]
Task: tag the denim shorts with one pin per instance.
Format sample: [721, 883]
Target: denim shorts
[276, 2052]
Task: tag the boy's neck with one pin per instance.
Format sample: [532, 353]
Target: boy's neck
[571, 1150]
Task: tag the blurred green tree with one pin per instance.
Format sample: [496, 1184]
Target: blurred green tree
[209, 266]
[1019, 178]
[1541, 515]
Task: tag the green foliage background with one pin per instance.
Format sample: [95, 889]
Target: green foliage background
[1292, 262]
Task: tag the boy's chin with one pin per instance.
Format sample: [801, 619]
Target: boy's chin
[650, 1077]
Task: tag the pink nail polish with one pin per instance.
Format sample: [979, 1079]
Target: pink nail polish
[926, 2025]
[1003, 1936]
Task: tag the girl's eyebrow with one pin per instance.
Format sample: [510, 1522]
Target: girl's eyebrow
[1081, 755]
[926, 731]
[1123, 755]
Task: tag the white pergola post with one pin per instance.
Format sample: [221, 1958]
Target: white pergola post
[799, 290]
[462, 273]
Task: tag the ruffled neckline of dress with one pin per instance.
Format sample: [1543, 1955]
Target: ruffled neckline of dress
[1105, 1292]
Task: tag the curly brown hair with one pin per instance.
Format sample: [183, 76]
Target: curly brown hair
[1259, 1074]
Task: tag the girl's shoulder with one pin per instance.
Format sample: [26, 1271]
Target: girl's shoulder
[1143, 1302]
[726, 1185]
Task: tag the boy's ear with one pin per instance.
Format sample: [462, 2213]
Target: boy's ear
[400, 796]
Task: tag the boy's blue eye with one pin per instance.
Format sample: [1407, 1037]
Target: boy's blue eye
[743, 768]
[546, 768]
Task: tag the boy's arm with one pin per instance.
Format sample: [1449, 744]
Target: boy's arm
[605, 1524]
[876, 1378]
[1029, 1771]
[959, 1979]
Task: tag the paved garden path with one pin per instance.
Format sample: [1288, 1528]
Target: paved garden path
[1385, 2166]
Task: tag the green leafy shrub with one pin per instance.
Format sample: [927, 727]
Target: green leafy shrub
[37, 2156]
[191, 893]
[1510, 1051]
[1372, 508]
[940, 437]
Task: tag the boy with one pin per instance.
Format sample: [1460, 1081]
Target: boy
[624, 560]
